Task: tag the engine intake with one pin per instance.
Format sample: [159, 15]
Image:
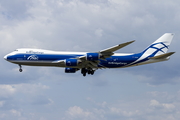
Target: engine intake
[92, 56]
[70, 70]
[71, 62]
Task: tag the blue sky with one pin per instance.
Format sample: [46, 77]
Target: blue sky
[44, 93]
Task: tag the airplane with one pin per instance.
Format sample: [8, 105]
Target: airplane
[89, 62]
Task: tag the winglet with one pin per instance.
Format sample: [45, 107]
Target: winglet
[162, 56]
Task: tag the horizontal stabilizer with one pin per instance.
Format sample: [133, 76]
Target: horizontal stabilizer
[162, 56]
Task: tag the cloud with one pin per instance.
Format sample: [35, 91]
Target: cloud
[30, 88]
[78, 113]
[148, 108]
[30, 93]
[15, 112]
[23, 88]
[120, 112]
[6, 90]
[99, 32]
[2, 103]
[82, 25]
[15, 10]
[152, 109]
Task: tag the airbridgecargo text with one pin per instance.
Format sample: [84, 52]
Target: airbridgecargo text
[33, 52]
[117, 63]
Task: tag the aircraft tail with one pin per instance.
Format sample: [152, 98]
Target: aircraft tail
[160, 46]
[157, 51]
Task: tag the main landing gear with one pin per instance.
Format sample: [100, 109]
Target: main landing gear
[85, 71]
[20, 68]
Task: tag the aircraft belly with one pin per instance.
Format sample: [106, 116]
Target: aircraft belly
[37, 63]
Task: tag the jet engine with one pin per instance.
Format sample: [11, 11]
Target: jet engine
[71, 62]
[92, 56]
[70, 70]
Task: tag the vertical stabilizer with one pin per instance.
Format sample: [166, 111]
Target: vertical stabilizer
[160, 46]
[157, 50]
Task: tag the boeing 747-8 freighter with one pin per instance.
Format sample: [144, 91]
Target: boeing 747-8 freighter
[88, 62]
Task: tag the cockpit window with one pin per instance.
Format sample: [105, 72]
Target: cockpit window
[15, 50]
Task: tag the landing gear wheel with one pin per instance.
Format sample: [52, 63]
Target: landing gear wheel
[92, 72]
[85, 71]
[84, 74]
[20, 70]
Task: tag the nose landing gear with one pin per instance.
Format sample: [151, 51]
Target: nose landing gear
[20, 68]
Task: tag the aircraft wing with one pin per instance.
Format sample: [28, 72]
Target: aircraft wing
[103, 54]
[115, 48]
[109, 51]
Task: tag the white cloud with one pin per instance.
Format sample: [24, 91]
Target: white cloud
[154, 103]
[99, 32]
[30, 88]
[82, 25]
[15, 112]
[77, 112]
[13, 95]
[2, 103]
[165, 107]
[156, 94]
[7, 90]
[168, 106]
[120, 112]
[101, 104]
[3, 115]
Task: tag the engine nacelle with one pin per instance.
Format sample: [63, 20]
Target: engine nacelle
[71, 62]
[92, 56]
[70, 70]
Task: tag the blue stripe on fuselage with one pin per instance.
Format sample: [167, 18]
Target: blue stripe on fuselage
[111, 62]
[119, 61]
[41, 57]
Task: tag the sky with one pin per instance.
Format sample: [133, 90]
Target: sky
[44, 93]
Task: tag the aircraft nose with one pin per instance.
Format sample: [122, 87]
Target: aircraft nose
[5, 57]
